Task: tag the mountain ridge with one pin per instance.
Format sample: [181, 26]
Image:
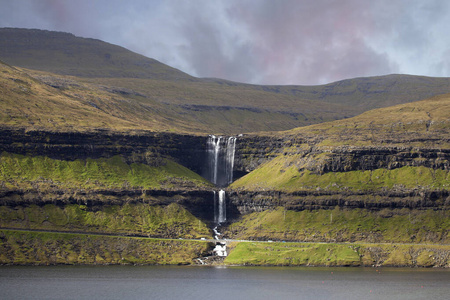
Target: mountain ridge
[66, 54]
[206, 105]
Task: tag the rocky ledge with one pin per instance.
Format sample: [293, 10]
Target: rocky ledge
[244, 202]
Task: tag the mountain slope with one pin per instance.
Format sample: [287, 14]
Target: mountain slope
[176, 101]
[29, 103]
[65, 54]
[373, 92]
[405, 146]
[422, 123]
[45, 101]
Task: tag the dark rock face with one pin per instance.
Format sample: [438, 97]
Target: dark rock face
[251, 151]
[248, 202]
[145, 147]
[345, 159]
[199, 203]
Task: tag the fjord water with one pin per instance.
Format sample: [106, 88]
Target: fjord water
[183, 282]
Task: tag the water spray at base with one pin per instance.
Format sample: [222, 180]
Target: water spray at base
[219, 217]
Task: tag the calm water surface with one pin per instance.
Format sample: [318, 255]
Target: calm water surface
[157, 282]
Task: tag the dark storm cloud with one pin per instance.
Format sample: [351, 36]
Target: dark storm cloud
[260, 41]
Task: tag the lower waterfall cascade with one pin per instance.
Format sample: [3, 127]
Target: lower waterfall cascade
[220, 216]
[220, 209]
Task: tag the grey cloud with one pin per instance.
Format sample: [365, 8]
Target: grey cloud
[260, 41]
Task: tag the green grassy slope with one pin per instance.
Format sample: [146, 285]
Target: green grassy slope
[345, 225]
[32, 248]
[39, 172]
[29, 103]
[360, 254]
[65, 54]
[168, 221]
[419, 124]
[144, 93]
[288, 174]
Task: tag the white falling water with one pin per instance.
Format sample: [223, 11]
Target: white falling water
[231, 147]
[220, 249]
[222, 207]
[220, 151]
[216, 143]
[220, 216]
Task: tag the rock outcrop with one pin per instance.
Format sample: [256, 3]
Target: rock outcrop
[249, 201]
[140, 147]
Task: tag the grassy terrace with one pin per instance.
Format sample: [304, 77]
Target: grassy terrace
[44, 248]
[345, 225]
[356, 254]
[287, 174]
[423, 123]
[134, 219]
[27, 172]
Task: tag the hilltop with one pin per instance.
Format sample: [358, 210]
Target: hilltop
[136, 89]
[65, 54]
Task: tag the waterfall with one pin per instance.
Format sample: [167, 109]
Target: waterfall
[220, 158]
[220, 164]
[231, 147]
[216, 151]
[222, 207]
[220, 216]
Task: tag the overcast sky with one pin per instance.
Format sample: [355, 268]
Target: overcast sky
[260, 41]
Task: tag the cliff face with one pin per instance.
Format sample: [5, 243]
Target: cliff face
[140, 147]
[151, 149]
[299, 174]
[252, 151]
[246, 202]
[344, 159]
[301, 155]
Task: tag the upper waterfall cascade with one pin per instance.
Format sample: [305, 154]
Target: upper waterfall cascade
[220, 152]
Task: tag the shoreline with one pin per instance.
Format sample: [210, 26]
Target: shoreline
[31, 248]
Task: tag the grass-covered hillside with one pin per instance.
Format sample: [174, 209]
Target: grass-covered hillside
[68, 105]
[45, 248]
[141, 219]
[65, 54]
[116, 88]
[358, 254]
[41, 100]
[44, 173]
[379, 149]
[421, 124]
[345, 225]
